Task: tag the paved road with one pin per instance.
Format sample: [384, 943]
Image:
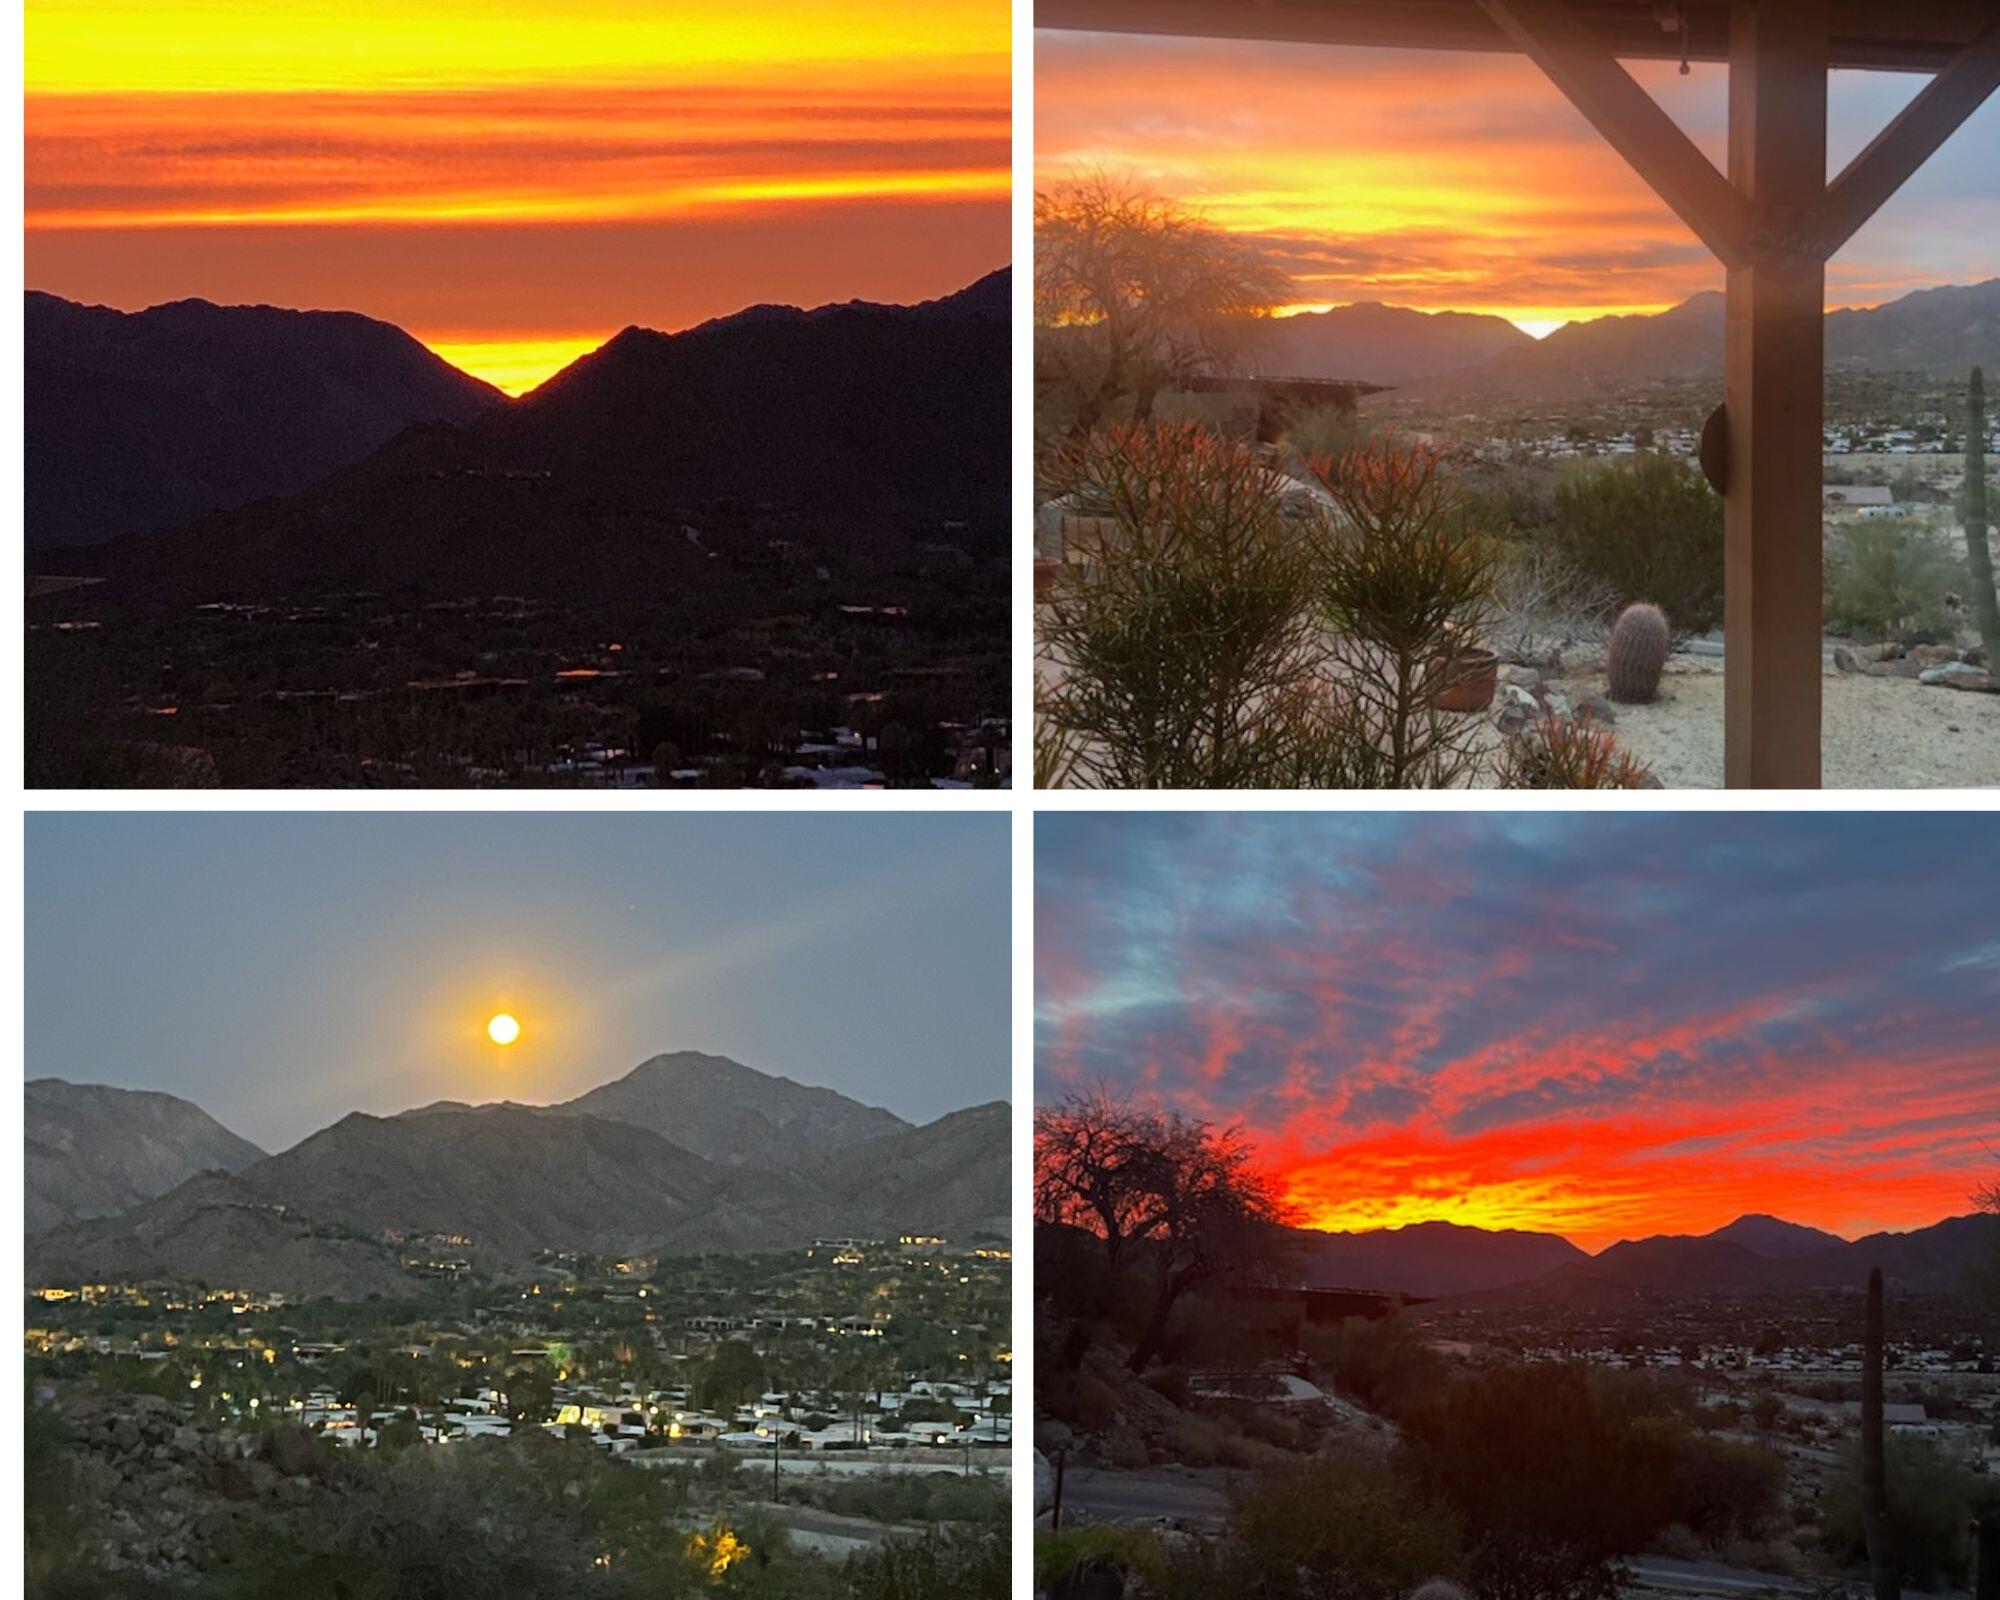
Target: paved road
[1105, 1496]
[1707, 1577]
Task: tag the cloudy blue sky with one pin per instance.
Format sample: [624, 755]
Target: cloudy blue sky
[1600, 1025]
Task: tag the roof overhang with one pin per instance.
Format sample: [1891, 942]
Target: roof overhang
[1907, 36]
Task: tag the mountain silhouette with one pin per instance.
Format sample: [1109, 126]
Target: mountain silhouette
[138, 421]
[861, 422]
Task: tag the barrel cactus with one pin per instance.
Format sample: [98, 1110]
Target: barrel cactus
[1637, 655]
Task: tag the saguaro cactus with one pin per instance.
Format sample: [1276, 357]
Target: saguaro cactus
[1874, 1461]
[1978, 554]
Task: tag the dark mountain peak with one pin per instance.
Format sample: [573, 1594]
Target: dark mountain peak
[142, 420]
[1775, 1238]
[1432, 1257]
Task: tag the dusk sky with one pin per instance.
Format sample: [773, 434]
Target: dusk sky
[1593, 1025]
[514, 182]
[283, 970]
[1461, 181]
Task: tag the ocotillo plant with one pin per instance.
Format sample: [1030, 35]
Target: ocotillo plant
[1978, 554]
[1874, 1462]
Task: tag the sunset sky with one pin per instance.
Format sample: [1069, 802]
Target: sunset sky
[283, 970]
[512, 181]
[1457, 181]
[1598, 1026]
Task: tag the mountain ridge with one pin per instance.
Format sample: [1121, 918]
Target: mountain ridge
[136, 421]
[501, 1184]
[93, 1149]
[869, 424]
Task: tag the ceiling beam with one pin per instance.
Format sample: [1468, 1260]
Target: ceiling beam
[1912, 138]
[1631, 122]
[1903, 36]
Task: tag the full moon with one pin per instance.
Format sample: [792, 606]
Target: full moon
[503, 1029]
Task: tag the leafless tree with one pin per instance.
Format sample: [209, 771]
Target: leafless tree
[1134, 289]
[1172, 1198]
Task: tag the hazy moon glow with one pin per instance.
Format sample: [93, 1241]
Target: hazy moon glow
[503, 1029]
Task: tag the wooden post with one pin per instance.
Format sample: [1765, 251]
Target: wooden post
[1773, 392]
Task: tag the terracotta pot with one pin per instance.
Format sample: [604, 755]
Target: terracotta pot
[1467, 680]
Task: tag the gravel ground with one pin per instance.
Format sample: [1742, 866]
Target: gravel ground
[1878, 733]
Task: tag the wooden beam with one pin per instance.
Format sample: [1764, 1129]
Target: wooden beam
[1630, 120]
[1774, 375]
[1910, 140]
[1906, 36]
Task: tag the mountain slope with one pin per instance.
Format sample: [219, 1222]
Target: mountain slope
[93, 1150]
[137, 421]
[512, 1181]
[1776, 1239]
[950, 1177]
[857, 423]
[216, 1229]
[730, 1113]
[1931, 330]
[1429, 1258]
[898, 407]
[1375, 343]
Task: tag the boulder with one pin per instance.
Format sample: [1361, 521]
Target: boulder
[290, 1449]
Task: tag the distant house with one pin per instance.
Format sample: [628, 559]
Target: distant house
[1848, 496]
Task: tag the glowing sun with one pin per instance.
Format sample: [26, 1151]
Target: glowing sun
[503, 1029]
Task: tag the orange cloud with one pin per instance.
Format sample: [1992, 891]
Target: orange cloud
[1440, 180]
[339, 158]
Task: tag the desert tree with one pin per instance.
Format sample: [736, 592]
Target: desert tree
[1134, 289]
[1175, 1202]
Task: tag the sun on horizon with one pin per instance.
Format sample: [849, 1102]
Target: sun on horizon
[503, 1028]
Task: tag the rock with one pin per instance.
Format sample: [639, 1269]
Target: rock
[1519, 677]
[1948, 672]
[1513, 719]
[1595, 708]
[1977, 656]
[1932, 655]
[1558, 703]
[233, 1481]
[125, 1434]
[1978, 682]
[1845, 660]
[289, 1448]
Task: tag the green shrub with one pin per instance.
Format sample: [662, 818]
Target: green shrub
[949, 1564]
[1932, 1501]
[1651, 530]
[1890, 579]
[1340, 1531]
[1185, 635]
[1130, 1550]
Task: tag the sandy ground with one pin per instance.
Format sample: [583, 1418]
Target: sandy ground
[1877, 733]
